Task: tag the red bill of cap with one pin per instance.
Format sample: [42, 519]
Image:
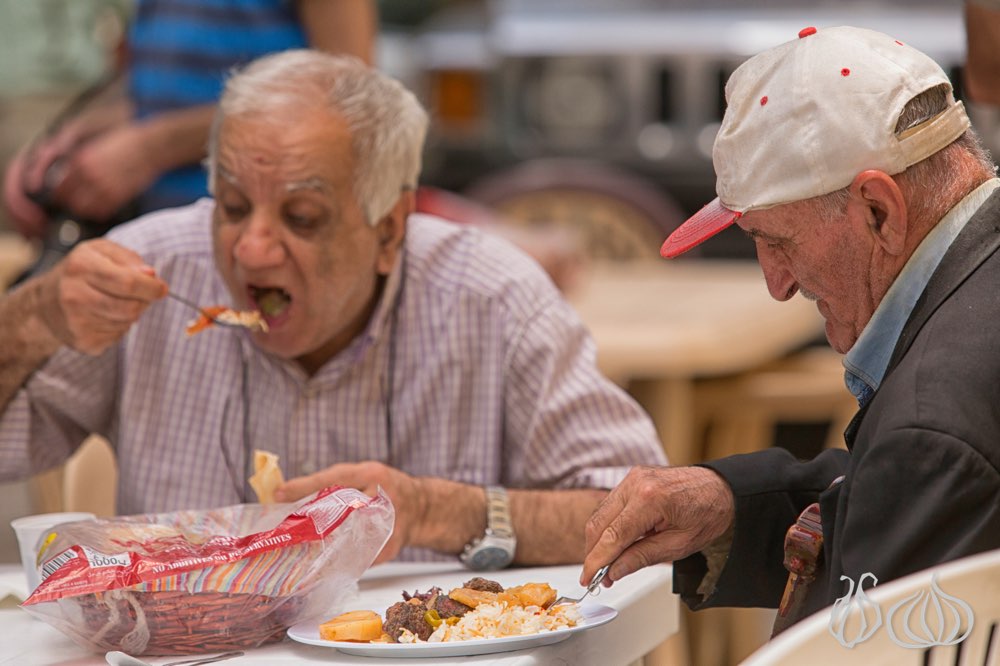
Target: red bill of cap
[710, 220]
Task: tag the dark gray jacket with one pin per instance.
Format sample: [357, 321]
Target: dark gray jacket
[922, 480]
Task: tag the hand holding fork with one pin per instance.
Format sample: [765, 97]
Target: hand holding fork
[592, 588]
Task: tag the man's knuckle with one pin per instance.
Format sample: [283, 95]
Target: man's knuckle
[612, 534]
[648, 492]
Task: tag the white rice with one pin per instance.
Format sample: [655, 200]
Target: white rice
[497, 620]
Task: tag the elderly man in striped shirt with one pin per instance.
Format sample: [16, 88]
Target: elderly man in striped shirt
[402, 352]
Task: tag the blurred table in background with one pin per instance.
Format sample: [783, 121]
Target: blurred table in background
[659, 326]
[15, 255]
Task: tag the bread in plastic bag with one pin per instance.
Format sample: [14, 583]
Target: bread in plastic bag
[190, 582]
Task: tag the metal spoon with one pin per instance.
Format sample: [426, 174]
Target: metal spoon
[202, 311]
[121, 659]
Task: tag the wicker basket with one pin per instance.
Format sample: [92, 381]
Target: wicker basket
[177, 622]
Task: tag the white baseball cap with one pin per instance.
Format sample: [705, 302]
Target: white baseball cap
[806, 117]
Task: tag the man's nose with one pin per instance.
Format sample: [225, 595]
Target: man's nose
[781, 284]
[260, 244]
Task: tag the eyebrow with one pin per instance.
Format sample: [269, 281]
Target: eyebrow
[755, 234]
[228, 175]
[314, 183]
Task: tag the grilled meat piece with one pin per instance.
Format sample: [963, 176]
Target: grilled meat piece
[448, 607]
[422, 596]
[408, 615]
[483, 585]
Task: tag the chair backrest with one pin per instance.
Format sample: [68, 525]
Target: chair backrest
[90, 478]
[929, 603]
[87, 482]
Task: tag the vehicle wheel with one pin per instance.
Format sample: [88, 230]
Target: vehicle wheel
[618, 215]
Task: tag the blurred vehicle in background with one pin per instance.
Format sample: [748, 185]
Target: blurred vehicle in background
[629, 93]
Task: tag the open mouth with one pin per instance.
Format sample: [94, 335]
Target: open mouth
[271, 301]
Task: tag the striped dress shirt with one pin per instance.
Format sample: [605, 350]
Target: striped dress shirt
[493, 381]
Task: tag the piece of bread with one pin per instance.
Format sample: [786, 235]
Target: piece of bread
[267, 476]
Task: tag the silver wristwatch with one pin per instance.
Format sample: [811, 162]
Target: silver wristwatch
[495, 549]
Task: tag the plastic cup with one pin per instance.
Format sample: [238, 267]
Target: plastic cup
[29, 531]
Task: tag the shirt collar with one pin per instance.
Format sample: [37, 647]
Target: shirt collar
[389, 300]
[867, 360]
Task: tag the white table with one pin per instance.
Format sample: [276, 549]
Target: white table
[661, 325]
[648, 615]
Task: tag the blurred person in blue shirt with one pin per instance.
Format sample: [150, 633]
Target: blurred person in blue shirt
[142, 151]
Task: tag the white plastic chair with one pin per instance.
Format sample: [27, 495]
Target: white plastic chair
[86, 482]
[974, 580]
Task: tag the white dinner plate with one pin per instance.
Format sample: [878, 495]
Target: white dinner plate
[592, 615]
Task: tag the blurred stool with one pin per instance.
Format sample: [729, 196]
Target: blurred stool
[740, 415]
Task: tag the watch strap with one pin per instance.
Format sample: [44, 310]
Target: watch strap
[498, 512]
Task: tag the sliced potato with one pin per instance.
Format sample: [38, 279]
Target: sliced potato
[472, 598]
[357, 626]
[529, 594]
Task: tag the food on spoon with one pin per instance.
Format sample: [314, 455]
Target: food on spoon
[491, 612]
[267, 476]
[355, 626]
[251, 319]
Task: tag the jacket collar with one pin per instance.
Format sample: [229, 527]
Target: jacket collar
[975, 244]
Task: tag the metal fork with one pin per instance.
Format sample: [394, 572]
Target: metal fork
[592, 588]
[202, 311]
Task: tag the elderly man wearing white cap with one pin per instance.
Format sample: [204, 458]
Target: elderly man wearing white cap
[845, 157]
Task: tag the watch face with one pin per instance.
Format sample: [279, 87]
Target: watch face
[489, 557]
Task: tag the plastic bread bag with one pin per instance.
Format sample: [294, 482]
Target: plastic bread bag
[191, 582]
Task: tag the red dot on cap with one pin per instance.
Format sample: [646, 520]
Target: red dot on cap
[899, 42]
[805, 32]
[845, 72]
[763, 100]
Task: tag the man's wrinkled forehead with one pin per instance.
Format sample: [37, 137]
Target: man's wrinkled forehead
[312, 183]
[257, 154]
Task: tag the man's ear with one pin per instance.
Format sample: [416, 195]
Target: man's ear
[877, 202]
[391, 230]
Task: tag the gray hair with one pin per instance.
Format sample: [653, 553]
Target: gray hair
[387, 123]
[937, 183]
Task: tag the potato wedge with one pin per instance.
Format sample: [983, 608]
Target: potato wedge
[472, 598]
[356, 626]
[529, 594]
